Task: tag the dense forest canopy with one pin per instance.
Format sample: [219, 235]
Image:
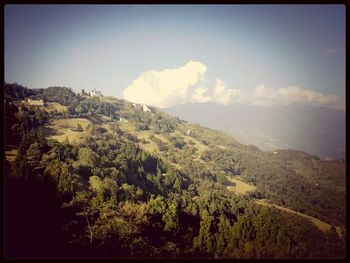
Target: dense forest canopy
[102, 177]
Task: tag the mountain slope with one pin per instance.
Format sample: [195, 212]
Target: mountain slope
[138, 183]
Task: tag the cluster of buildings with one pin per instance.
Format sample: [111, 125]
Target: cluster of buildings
[95, 93]
[143, 106]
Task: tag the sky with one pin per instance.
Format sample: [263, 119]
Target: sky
[165, 55]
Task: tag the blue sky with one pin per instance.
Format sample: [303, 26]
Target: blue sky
[223, 53]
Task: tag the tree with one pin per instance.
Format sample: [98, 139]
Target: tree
[204, 241]
[110, 187]
[53, 169]
[139, 195]
[21, 166]
[40, 117]
[223, 245]
[171, 218]
[82, 201]
[177, 184]
[127, 192]
[34, 153]
[158, 205]
[71, 110]
[87, 157]
[80, 109]
[65, 182]
[96, 185]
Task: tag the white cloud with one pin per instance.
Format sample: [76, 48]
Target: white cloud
[167, 87]
[292, 94]
[170, 87]
[187, 83]
[224, 95]
[199, 95]
[264, 96]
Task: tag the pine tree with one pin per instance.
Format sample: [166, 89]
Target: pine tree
[204, 241]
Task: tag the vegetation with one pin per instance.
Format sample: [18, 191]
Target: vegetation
[108, 195]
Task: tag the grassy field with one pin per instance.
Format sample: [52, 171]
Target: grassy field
[51, 106]
[150, 145]
[62, 130]
[127, 126]
[241, 188]
[34, 102]
[197, 144]
[320, 224]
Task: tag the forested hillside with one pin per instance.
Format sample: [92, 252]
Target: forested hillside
[103, 177]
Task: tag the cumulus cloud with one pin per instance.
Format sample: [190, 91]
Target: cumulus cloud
[199, 95]
[167, 87]
[224, 95]
[170, 87]
[265, 96]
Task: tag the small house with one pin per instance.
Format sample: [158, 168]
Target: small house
[145, 108]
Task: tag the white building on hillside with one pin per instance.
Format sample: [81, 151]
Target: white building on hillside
[121, 119]
[145, 108]
[95, 93]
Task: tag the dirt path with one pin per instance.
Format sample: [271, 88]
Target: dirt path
[320, 224]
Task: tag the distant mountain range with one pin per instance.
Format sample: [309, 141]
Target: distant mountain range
[316, 130]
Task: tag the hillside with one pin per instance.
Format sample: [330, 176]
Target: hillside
[117, 179]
